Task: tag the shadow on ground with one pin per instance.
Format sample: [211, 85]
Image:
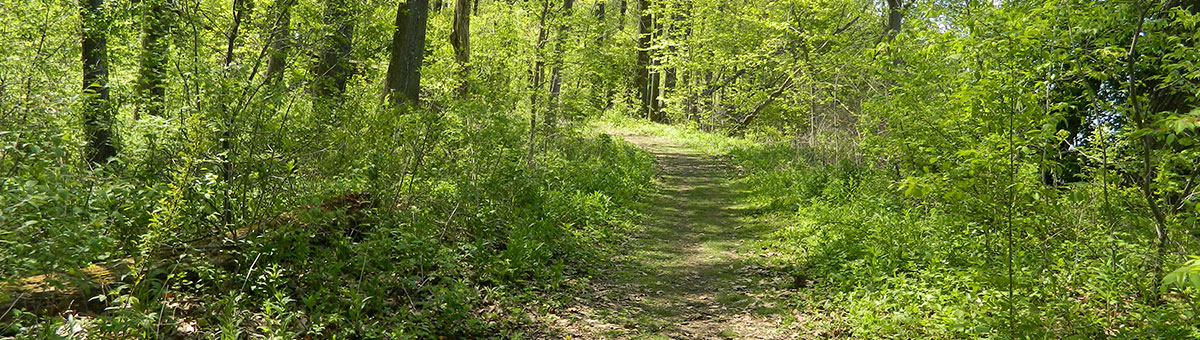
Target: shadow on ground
[690, 273]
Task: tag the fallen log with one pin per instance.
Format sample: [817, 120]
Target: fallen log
[55, 293]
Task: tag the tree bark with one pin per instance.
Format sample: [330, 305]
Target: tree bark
[403, 83]
[281, 43]
[97, 111]
[240, 7]
[656, 75]
[641, 80]
[621, 19]
[152, 71]
[333, 69]
[556, 71]
[460, 38]
[894, 18]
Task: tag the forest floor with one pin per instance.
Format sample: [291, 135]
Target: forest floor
[691, 271]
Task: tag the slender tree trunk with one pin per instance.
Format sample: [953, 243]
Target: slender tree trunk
[894, 18]
[333, 69]
[1140, 118]
[621, 19]
[98, 111]
[538, 76]
[556, 71]
[153, 69]
[403, 83]
[656, 75]
[240, 7]
[460, 38]
[281, 43]
[641, 79]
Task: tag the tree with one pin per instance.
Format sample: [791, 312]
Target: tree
[621, 18]
[333, 69]
[641, 79]
[240, 7]
[281, 41]
[894, 17]
[460, 38]
[556, 71]
[156, 25]
[98, 111]
[403, 83]
[539, 70]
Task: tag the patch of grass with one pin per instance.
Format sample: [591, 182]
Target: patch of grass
[692, 137]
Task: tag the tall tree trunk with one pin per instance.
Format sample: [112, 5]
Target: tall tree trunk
[151, 87]
[460, 38]
[98, 111]
[556, 71]
[894, 18]
[539, 70]
[403, 83]
[333, 69]
[656, 75]
[641, 79]
[621, 19]
[281, 42]
[240, 7]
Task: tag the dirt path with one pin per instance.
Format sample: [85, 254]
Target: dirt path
[690, 273]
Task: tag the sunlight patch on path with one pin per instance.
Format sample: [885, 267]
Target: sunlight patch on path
[690, 273]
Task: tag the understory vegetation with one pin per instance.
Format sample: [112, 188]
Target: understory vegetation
[869, 257]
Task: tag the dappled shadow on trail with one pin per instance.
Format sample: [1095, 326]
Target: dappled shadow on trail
[690, 272]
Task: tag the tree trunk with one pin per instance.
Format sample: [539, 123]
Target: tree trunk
[641, 80]
[97, 112]
[281, 42]
[656, 76]
[460, 38]
[895, 15]
[556, 71]
[621, 19]
[333, 69]
[403, 83]
[538, 73]
[151, 88]
[226, 159]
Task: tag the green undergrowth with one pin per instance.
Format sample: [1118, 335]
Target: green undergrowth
[463, 245]
[873, 257]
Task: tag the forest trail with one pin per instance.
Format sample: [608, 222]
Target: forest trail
[690, 273]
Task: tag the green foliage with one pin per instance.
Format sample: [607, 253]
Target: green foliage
[991, 169]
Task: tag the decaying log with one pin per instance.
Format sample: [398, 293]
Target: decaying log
[51, 294]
